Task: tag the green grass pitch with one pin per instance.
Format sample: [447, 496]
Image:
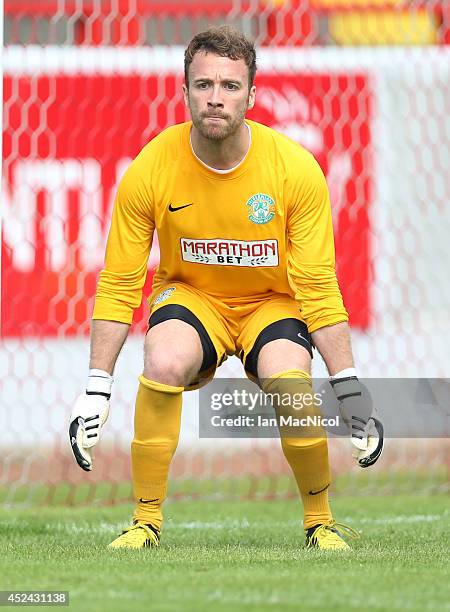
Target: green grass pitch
[218, 555]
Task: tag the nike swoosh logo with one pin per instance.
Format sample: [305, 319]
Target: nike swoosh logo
[174, 208]
[321, 490]
[148, 501]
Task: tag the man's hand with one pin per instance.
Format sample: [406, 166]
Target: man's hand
[356, 409]
[89, 414]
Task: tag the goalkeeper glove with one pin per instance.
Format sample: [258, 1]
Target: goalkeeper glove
[356, 410]
[89, 414]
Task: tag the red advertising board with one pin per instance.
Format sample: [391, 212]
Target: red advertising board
[68, 138]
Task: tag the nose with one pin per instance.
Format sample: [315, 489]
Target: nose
[215, 100]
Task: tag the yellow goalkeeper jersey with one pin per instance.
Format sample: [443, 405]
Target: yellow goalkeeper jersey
[241, 236]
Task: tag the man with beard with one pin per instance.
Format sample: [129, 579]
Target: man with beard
[247, 267]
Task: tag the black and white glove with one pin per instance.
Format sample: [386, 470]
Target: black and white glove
[355, 407]
[88, 416]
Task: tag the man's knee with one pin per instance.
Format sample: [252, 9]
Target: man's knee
[170, 367]
[172, 353]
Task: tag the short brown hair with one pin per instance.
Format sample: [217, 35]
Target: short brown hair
[225, 41]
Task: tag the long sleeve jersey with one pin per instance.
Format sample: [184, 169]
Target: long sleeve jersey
[265, 227]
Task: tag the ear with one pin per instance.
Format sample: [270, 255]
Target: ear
[251, 97]
[186, 95]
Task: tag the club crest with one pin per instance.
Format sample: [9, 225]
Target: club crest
[164, 295]
[261, 208]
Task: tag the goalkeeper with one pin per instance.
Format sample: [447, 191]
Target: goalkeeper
[246, 267]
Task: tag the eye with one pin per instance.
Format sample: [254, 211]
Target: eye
[202, 85]
[231, 86]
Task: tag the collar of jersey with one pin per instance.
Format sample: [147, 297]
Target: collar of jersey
[232, 173]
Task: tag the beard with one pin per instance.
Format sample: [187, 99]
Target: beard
[219, 130]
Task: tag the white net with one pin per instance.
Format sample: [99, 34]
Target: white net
[83, 93]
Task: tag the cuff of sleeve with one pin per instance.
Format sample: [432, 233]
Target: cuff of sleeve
[112, 314]
[326, 323]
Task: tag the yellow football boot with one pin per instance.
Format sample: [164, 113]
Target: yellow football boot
[329, 536]
[137, 536]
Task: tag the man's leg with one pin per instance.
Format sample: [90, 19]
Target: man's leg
[275, 347]
[173, 356]
[277, 353]
[284, 368]
[184, 343]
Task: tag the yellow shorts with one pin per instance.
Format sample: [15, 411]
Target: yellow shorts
[232, 330]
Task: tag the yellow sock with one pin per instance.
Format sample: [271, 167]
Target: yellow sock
[308, 454]
[156, 431]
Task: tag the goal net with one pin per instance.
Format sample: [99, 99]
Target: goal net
[86, 85]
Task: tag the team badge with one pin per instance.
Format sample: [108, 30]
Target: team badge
[261, 208]
[164, 295]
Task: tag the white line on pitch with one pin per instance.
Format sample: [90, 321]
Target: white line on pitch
[104, 527]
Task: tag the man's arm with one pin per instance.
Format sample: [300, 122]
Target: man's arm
[119, 292]
[91, 408]
[333, 343]
[355, 405]
[310, 252]
[107, 339]
[311, 269]
[120, 283]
